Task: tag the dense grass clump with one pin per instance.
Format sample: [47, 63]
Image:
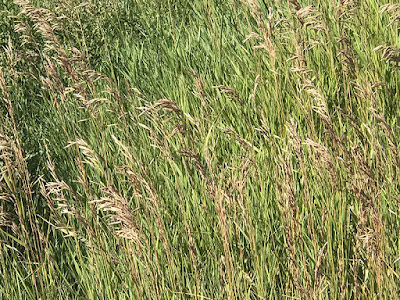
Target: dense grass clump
[199, 149]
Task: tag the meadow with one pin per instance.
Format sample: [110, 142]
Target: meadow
[205, 149]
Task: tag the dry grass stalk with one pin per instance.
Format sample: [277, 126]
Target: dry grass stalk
[60, 197]
[295, 140]
[253, 93]
[265, 128]
[323, 155]
[306, 84]
[391, 54]
[320, 106]
[26, 33]
[8, 214]
[6, 219]
[370, 228]
[54, 192]
[3, 87]
[318, 273]
[163, 132]
[144, 189]
[289, 210]
[296, 4]
[390, 136]
[353, 123]
[19, 188]
[53, 81]
[169, 106]
[224, 228]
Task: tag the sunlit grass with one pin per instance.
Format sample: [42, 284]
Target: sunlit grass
[206, 150]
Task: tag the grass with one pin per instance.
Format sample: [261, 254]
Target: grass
[199, 149]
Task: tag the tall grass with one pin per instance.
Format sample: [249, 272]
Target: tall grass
[199, 149]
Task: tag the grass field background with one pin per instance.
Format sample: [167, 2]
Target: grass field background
[199, 149]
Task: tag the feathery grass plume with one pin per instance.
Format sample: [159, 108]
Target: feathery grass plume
[231, 93]
[294, 139]
[166, 104]
[52, 192]
[11, 56]
[243, 142]
[346, 9]
[3, 87]
[347, 57]
[72, 72]
[8, 215]
[91, 157]
[266, 29]
[120, 215]
[345, 12]
[320, 106]
[55, 194]
[161, 135]
[199, 85]
[305, 83]
[197, 163]
[45, 20]
[310, 17]
[53, 82]
[368, 91]
[315, 100]
[26, 33]
[391, 55]
[265, 129]
[143, 191]
[6, 218]
[393, 10]
[68, 206]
